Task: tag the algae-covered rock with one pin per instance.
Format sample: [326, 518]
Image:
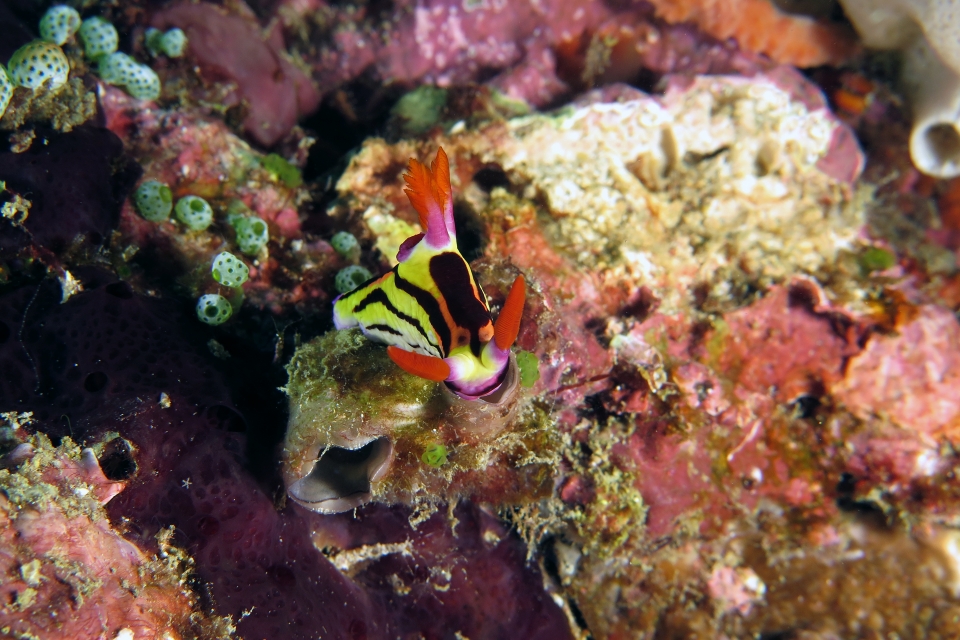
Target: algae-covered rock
[360, 428]
[67, 571]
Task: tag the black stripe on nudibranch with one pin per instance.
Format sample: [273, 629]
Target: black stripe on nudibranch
[379, 296]
[430, 306]
[385, 328]
[452, 275]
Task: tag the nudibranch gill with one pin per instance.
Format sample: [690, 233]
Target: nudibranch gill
[429, 309]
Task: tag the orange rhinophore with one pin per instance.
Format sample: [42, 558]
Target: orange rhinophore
[507, 328]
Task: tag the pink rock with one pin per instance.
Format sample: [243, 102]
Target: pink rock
[781, 348]
[231, 45]
[67, 572]
[911, 377]
[737, 589]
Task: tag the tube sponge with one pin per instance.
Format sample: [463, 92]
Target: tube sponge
[928, 31]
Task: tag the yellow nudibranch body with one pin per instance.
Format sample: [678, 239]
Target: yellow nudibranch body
[429, 309]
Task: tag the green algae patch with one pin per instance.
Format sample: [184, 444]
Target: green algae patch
[282, 170]
[435, 455]
[529, 368]
[875, 259]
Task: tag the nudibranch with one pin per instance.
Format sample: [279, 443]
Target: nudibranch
[429, 309]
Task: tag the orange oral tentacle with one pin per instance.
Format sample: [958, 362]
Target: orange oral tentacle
[422, 366]
[508, 323]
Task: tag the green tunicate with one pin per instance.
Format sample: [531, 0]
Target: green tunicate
[420, 109]
[152, 38]
[876, 259]
[283, 170]
[229, 270]
[195, 212]
[154, 201]
[345, 243]
[435, 455]
[529, 368]
[99, 38]
[350, 278]
[38, 62]
[59, 24]
[173, 42]
[214, 309]
[6, 90]
[144, 83]
[117, 68]
[252, 233]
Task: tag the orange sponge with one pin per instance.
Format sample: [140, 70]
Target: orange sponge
[758, 26]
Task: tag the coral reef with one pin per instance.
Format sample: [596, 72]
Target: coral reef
[733, 410]
[275, 90]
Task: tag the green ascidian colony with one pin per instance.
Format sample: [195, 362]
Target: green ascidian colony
[173, 43]
[154, 201]
[117, 68]
[6, 90]
[195, 212]
[350, 278]
[252, 234]
[59, 24]
[38, 62]
[144, 83]
[99, 38]
[214, 309]
[345, 243]
[229, 270]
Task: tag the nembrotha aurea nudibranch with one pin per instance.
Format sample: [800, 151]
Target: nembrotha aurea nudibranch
[429, 309]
